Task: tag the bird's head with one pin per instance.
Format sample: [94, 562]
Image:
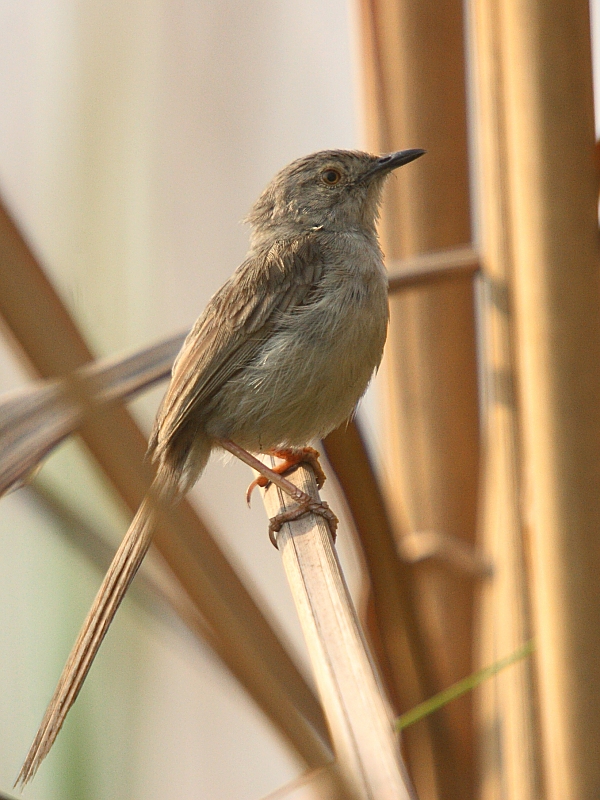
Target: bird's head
[331, 189]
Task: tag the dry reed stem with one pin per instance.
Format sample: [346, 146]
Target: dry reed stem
[358, 715]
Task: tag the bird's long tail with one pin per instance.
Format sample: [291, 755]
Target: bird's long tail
[121, 572]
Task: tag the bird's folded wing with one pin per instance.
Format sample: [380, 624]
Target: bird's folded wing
[237, 320]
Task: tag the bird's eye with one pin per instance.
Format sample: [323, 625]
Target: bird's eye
[331, 176]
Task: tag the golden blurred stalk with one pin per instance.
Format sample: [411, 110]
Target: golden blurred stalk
[415, 93]
[508, 742]
[553, 194]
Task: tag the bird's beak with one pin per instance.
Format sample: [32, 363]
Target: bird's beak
[392, 161]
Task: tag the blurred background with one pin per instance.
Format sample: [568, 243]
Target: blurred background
[134, 138]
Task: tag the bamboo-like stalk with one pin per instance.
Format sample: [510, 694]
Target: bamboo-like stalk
[509, 744]
[428, 268]
[358, 715]
[553, 188]
[416, 97]
[31, 308]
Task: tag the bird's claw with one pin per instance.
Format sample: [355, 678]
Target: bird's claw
[310, 506]
[260, 481]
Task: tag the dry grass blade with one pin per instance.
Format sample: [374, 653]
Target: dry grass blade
[36, 419]
[31, 308]
[32, 422]
[121, 572]
[320, 779]
[122, 378]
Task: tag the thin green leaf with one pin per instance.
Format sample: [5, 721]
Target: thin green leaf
[462, 687]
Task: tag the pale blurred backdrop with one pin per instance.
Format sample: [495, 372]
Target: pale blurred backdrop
[134, 137]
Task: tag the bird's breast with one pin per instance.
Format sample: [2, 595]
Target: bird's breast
[316, 365]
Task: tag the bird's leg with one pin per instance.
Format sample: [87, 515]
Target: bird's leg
[305, 502]
[291, 457]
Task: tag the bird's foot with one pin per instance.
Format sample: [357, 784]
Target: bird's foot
[308, 506]
[306, 503]
[291, 458]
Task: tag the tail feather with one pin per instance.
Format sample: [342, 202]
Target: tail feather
[121, 572]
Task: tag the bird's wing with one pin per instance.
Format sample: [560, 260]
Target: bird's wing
[238, 318]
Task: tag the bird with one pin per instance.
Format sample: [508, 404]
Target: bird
[280, 356]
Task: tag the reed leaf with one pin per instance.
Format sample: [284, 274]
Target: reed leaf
[35, 419]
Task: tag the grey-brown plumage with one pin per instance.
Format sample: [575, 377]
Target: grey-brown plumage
[281, 355]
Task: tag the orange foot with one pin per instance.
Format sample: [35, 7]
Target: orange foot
[292, 457]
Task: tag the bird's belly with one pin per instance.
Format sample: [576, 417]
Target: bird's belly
[307, 379]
